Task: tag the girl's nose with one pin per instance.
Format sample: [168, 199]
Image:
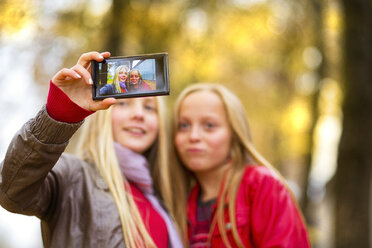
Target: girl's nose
[195, 133]
[137, 111]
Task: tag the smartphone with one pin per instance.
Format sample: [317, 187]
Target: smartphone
[131, 76]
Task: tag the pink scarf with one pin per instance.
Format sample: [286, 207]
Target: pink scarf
[135, 168]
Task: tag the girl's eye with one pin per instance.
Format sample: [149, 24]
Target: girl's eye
[122, 103]
[183, 126]
[209, 125]
[150, 107]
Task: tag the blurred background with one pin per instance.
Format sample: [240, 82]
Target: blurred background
[303, 69]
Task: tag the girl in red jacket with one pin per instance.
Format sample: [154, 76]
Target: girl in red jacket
[136, 82]
[239, 199]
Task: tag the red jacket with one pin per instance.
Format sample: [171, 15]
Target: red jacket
[266, 215]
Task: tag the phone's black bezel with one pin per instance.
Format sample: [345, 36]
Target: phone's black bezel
[163, 57]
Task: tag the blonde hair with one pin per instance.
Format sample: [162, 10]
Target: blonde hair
[115, 81]
[242, 152]
[96, 145]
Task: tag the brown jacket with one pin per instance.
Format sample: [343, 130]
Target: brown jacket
[69, 196]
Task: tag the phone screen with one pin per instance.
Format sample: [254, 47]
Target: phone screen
[131, 76]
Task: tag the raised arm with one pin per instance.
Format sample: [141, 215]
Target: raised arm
[27, 185]
[76, 82]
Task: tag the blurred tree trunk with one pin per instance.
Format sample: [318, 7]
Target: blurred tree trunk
[115, 30]
[353, 186]
[317, 13]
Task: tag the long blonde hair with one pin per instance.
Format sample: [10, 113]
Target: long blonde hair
[96, 145]
[242, 152]
[115, 81]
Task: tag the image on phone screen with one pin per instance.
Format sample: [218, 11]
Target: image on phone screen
[133, 76]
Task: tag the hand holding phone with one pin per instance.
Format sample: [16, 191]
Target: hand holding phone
[130, 76]
[76, 82]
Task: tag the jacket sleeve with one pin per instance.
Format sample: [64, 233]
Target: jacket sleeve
[27, 185]
[276, 221]
[107, 90]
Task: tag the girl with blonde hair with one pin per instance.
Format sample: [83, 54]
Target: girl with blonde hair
[228, 194]
[109, 196]
[119, 82]
[121, 79]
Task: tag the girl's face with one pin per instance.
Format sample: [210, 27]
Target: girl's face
[134, 77]
[135, 123]
[203, 137]
[123, 75]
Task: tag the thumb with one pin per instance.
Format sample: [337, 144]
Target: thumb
[104, 104]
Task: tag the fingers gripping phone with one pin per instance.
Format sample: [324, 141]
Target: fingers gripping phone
[131, 76]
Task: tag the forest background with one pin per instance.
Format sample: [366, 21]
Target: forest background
[303, 69]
